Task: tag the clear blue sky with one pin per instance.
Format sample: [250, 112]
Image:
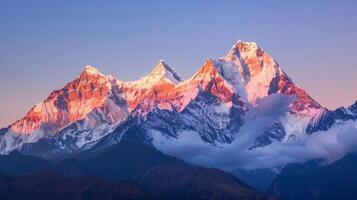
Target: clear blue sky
[44, 44]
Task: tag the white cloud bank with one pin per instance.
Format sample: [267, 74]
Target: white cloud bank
[329, 145]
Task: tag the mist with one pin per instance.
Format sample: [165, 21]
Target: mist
[328, 145]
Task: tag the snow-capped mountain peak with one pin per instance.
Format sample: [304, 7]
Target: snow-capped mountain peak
[162, 74]
[90, 91]
[163, 70]
[261, 75]
[90, 70]
[245, 50]
[95, 103]
[253, 67]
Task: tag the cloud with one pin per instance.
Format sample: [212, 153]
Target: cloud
[329, 145]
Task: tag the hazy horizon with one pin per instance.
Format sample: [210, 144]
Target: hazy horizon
[45, 45]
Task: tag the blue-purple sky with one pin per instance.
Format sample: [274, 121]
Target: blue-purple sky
[45, 44]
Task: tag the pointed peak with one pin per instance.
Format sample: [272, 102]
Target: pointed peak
[90, 70]
[162, 61]
[206, 70]
[208, 66]
[162, 73]
[162, 69]
[245, 50]
[210, 61]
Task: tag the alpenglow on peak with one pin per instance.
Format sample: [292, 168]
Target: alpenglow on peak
[163, 70]
[93, 100]
[88, 69]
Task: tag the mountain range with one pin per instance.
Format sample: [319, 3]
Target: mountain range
[237, 112]
[94, 104]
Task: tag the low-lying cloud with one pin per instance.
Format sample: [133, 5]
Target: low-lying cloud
[328, 145]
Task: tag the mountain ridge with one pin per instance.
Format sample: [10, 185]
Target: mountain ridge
[91, 106]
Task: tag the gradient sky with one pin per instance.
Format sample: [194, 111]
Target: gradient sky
[45, 44]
